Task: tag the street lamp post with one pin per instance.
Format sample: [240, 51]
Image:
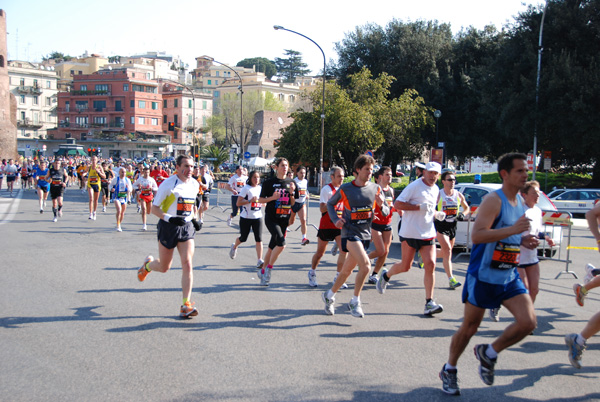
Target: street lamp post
[537, 91]
[241, 88]
[193, 108]
[278, 27]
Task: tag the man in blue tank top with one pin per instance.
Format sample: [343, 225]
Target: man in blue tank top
[492, 277]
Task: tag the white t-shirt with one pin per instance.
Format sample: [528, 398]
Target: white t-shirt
[11, 170]
[176, 198]
[418, 224]
[145, 186]
[237, 182]
[302, 186]
[121, 186]
[535, 215]
[326, 194]
[254, 209]
[209, 181]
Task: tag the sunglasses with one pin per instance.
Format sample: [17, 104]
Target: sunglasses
[450, 179]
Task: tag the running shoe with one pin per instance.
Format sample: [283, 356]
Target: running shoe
[267, 276]
[486, 365]
[44, 203]
[494, 314]
[344, 285]
[305, 241]
[575, 350]
[104, 208]
[373, 279]
[431, 308]
[329, 303]
[334, 249]
[119, 229]
[262, 275]
[229, 221]
[580, 293]
[94, 216]
[139, 209]
[60, 213]
[55, 219]
[453, 283]
[449, 381]
[259, 264]
[41, 211]
[232, 251]
[420, 261]
[382, 283]
[589, 273]
[143, 272]
[144, 228]
[188, 310]
[356, 309]
[312, 278]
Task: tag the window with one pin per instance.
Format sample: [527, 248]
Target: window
[125, 87]
[216, 94]
[132, 120]
[83, 87]
[22, 99]
[209, 82]
[68, 135]
[142, 104]
[204, 105]
[165, 104]
[292, 98]
[22, 116]
[141, 120]
[22, 82]
[217, 73]
[99, 106]
[132, 103]
[35, 83]
[175, 119]
[154, 105]
[118, 106]
[176, 102]
[137, 88]
[164, 119]
[190, 123]
[35, 100]
[83, 137]
[203, 121]
[81, 105]
[99, 120]
[151, 90]
[36, 117]
[81, 120]
[101, 87]
[49, 84]
[216, 82]
[154, 122]
[189, 103]
[48, 101]
[281, 97]
[148, 76]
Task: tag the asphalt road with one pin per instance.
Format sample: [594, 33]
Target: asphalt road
[75, 323]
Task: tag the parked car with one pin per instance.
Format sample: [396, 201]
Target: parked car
[474, 194]
[556, 192]
[576, 201]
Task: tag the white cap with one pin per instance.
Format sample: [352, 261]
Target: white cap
[419, 165]
[433, 166]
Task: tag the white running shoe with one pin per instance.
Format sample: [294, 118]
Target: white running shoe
[119, 229]
[60, 213]
[334, 249]
[260, 263]
[344, 285]
[232, 251]
[94, 216]
[144, 228]
[589, 273]
[329, 303]
[91, 216]
[356, 309]
[312, 278]
[229, 221]
[104, 208]
[495, 314]
[55, 219]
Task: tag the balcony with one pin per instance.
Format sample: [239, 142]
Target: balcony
[26, 89]
[27, 123]
[90, 93]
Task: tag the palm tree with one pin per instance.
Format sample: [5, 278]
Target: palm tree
[215, 155]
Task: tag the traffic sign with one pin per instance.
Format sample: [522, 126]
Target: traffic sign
[247, 155]
[530, 161]
[369, 153]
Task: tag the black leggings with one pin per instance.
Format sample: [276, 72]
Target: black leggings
[278, 231]
[247, 224]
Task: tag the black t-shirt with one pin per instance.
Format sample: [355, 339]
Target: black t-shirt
[57, 176]
[280, 209]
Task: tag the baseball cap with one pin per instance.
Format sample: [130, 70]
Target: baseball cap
[419, 165]
[433, 166]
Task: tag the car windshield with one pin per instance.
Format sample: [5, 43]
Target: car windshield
[544, 203]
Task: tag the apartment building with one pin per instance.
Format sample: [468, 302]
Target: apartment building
[84, 65]
[35, 89]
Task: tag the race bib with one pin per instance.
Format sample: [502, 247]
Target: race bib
[283, 210]
[185, 206]
[146, 192]
[93, 180]
[122, 194]
[302, 192]
[360, 215]
[56, 182]
[506, 256]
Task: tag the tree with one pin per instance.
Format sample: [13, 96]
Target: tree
[215, 155]
[58, 57]
[292, 66]
[261, 64]
[361, 117]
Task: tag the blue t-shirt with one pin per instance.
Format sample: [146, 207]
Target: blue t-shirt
[497, 262]
[41, 173]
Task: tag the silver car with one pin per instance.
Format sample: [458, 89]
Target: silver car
[474, 194]
[576, 201]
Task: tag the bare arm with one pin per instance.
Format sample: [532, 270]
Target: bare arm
[487, 213]
[593, 218]
[405, 206]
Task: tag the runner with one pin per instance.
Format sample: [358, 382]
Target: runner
[104, 182]
[130, 174]
[279, 193]
[235, 185]
[174, 206]
[146, 187]
[381, 227]
[577, 343]
[94, 174]
[417, 233]
[299, 207]
[43, 186]
[327, 230]
[359, 198]
[121, 189]
[71, 174]
[82, 176]
[158, 174]
[209, 181]
[492, 278]
[11, 171]
[2, 166]
[449, 201]
[58, 181]
[250, 217]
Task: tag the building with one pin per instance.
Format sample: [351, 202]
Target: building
[67, 69]
[267, 132]
[117, 110]
[35, 89]
[8, 106]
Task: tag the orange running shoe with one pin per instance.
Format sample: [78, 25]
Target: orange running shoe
[142, 272]
[188, 310]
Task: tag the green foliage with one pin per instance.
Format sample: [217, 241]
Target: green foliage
[57, 57]
[292, 66]
[261, 64]
[220, 154]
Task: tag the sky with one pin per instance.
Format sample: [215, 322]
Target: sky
[227, 31]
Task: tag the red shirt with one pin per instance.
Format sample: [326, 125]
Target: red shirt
[159, 176]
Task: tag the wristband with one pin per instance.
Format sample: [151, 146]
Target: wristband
[166, 217]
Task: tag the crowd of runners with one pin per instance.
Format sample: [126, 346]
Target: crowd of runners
[503, 269]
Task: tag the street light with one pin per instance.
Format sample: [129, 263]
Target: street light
[537, 91]
[241, 88]
[193, 107]
[278, 27]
